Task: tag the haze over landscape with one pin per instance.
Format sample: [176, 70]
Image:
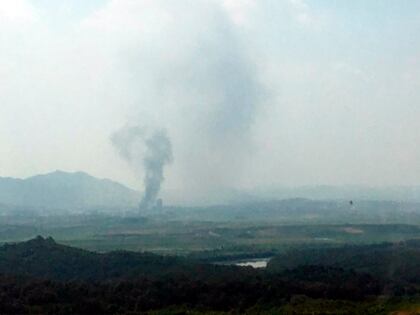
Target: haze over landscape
[250, 93]
[168, 157]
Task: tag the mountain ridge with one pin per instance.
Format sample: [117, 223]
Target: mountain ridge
[66, 191]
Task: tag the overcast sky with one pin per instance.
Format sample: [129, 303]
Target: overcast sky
[250, 92]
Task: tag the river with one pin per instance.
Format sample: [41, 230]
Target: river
[254, 262]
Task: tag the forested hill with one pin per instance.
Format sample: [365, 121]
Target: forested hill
[391, 261]
[67, 191]
[136, 283]
[43, 257]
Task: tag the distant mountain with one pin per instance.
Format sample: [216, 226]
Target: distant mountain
[341, 192]
[66, 191]
[304, 211]
[232, 196]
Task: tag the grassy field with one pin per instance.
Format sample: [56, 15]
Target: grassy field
[105, 233]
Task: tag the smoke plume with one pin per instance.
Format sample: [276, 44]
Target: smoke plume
[197, 77]
[150, 150]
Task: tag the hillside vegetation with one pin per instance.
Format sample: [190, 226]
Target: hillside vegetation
[41, 276]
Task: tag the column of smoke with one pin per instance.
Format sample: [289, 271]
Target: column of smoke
[215, 81]
[148, 150]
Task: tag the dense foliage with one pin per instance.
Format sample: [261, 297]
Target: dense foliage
[41, 276]
[397, 262]
[222, 291]
[45, 258]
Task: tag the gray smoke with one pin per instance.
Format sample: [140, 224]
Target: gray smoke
[149, 150]
[204, 86]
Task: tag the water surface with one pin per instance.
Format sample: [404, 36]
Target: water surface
[251, 262]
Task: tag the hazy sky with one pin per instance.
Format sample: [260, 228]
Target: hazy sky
[251, 92]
